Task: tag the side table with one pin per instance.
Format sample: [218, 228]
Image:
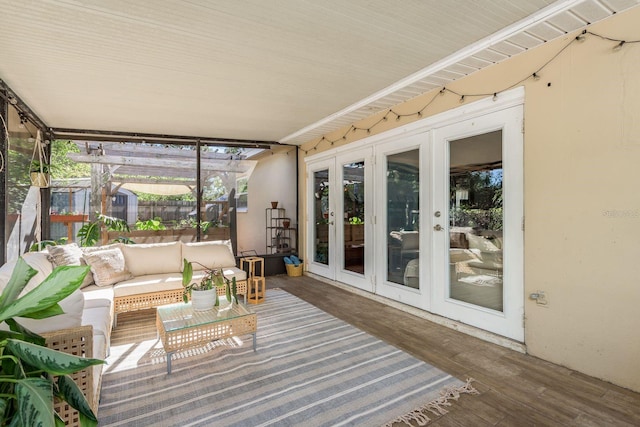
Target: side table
[256, 283]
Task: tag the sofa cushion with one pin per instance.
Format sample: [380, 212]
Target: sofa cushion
[107, 266]
[70, 254]
[215, 254]
[153, 258]
[98, 296]
[229, 273]
[481, 243]
[148, 284]
[100, 319]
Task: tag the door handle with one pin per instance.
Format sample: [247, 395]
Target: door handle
[438, 227]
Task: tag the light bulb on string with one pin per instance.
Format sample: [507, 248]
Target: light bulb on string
[535, 76]
[495, 96]
[618, 47]
[461, 99]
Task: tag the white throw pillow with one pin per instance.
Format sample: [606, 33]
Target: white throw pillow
[107, 266]
[210, 255]
[153, 258]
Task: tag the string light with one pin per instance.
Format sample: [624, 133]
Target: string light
[23, 119]
[580, 38]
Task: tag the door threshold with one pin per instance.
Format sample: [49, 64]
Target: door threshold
[440, 320]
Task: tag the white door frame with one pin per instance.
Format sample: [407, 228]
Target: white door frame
[416, 297]
[325, 270]
[362, 281]
[509, 322]
[433, 266]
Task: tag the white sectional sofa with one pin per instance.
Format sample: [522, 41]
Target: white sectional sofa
[123, 278]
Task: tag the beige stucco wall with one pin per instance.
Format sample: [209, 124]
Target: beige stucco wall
[582, 203]
[273, 179]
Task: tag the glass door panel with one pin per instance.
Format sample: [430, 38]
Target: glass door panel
[476, 220]
[321, 215]
[403, 218]
[353, 188]
[477, 199]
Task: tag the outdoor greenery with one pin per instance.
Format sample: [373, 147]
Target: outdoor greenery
[31, 375]
[63, 166]
[483, 208]
[89, 233]
[150, 224]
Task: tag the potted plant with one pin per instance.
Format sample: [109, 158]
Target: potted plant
[204, 294]
[39, 173]
[32, 375]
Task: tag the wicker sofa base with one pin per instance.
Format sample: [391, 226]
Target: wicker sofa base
[136, 302]
[78, 342]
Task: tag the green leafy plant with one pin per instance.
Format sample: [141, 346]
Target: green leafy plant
[89, 233]
[32, 375]
[37, 166]
[44, 243]
[213, 278]
[150, 224]
[354, 220]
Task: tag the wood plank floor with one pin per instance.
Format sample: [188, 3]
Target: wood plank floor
[515, 389]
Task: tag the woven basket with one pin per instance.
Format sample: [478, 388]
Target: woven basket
[294, 271]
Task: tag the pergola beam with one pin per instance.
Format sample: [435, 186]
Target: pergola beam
[211, 165]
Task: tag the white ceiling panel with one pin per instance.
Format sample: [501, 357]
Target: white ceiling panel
[284, 70]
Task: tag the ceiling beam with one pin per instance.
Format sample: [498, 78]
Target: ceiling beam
[122, 136]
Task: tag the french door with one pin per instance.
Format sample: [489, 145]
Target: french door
[402, 190]
[340, 219]
[477, 215]
[431, 216]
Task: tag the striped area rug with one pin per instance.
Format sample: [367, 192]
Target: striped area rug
[309, 368]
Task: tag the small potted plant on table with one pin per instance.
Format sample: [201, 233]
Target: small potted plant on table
[204, 294]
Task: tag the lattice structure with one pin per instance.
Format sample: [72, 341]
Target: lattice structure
[78, 342]
[182, 327]
[128, 303]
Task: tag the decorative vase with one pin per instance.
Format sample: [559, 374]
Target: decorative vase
[203, 300]
[39, 179]
[274, 205]
[286, 223]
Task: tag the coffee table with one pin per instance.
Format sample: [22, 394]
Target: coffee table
[181, 327]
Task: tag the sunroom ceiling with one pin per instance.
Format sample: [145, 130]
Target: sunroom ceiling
[285, 71]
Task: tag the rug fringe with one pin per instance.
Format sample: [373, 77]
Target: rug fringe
[436, 407]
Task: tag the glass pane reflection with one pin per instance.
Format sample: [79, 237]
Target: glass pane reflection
[321, 216]
[476, 220]
[353, 189]
[403, 203]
